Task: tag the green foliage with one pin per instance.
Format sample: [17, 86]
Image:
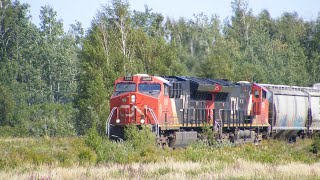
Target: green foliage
[140, 138]
[106, 150]
[6, 106]
[87, 156]
[139, 146]
[15, 131]
[38, 69]
[93, 150]
[93, 140]
[58, 56]
[22, 152]
[47, 120]
[208, 135]
[53, 120]
[315, 146]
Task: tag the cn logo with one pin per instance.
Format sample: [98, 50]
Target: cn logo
[217, 88]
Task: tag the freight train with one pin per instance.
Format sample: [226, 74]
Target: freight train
[178, 107]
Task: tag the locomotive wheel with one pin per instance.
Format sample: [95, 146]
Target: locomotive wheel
[171, 141]
[162, 141]
[231, 138]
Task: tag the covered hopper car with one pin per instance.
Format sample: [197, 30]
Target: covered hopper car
[294, 111]
[178, 107]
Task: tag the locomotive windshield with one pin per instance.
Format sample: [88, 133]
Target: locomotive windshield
[149, 88]
[125, 87]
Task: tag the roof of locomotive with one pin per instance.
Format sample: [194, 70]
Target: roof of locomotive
[198, 84]
[199, 80]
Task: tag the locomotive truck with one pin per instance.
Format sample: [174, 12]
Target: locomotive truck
[178, 107]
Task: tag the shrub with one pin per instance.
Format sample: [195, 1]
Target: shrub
[51, 119]
[7, 105]
[94, 141]
[140, 138]
[86, 156]
[208, 135]
[15, 131]
[315, 146]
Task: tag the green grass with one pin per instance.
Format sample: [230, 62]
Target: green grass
[17, 152]
[94, 150]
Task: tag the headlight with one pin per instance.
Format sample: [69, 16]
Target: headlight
[142, 121]
[133, 98]
[118, 121]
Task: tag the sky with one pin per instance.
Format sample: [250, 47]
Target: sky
[85, 10]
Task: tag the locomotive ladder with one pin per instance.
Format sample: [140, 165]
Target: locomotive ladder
[155, 120]
[108, 121]
[219, 127]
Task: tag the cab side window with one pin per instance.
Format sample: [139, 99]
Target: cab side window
[256, 94]
[264, 94]
[166, 90]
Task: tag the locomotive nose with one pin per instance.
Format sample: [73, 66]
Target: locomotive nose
[132, 111]
[128, 111]
[128, 99]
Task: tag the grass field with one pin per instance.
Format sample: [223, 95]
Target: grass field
[97, 158]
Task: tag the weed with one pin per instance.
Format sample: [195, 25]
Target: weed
[87, 156]
[165, 170]
[315, 146]
[17, 153]
[140, 138]
[208, 135]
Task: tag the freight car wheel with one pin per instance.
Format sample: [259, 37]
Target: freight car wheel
[292, 139]
[231, 138]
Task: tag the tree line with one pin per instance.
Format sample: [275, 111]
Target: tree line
[56, 82]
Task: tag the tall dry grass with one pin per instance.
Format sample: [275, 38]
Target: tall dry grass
[171, 169]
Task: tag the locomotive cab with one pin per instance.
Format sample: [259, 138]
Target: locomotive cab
[260, 105]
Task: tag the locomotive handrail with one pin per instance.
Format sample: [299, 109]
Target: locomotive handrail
[220, 114]
[155, 119]
[108, 121]
[235, 116]
[120, 139]
[219, 127]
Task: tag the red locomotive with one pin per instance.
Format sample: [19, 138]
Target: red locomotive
[177, 108]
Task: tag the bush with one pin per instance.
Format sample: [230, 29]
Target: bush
[87, 156]
[21, 152]
[208, 135]
[315, 146]
[47, 119]
[7, 105]
[140, 145]
[140, 138]
[94, 141]
[16, 131]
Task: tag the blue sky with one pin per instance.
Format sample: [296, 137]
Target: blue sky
[85, 10]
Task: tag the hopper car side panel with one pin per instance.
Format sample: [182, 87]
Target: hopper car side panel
[315, 111]
[291, 112]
